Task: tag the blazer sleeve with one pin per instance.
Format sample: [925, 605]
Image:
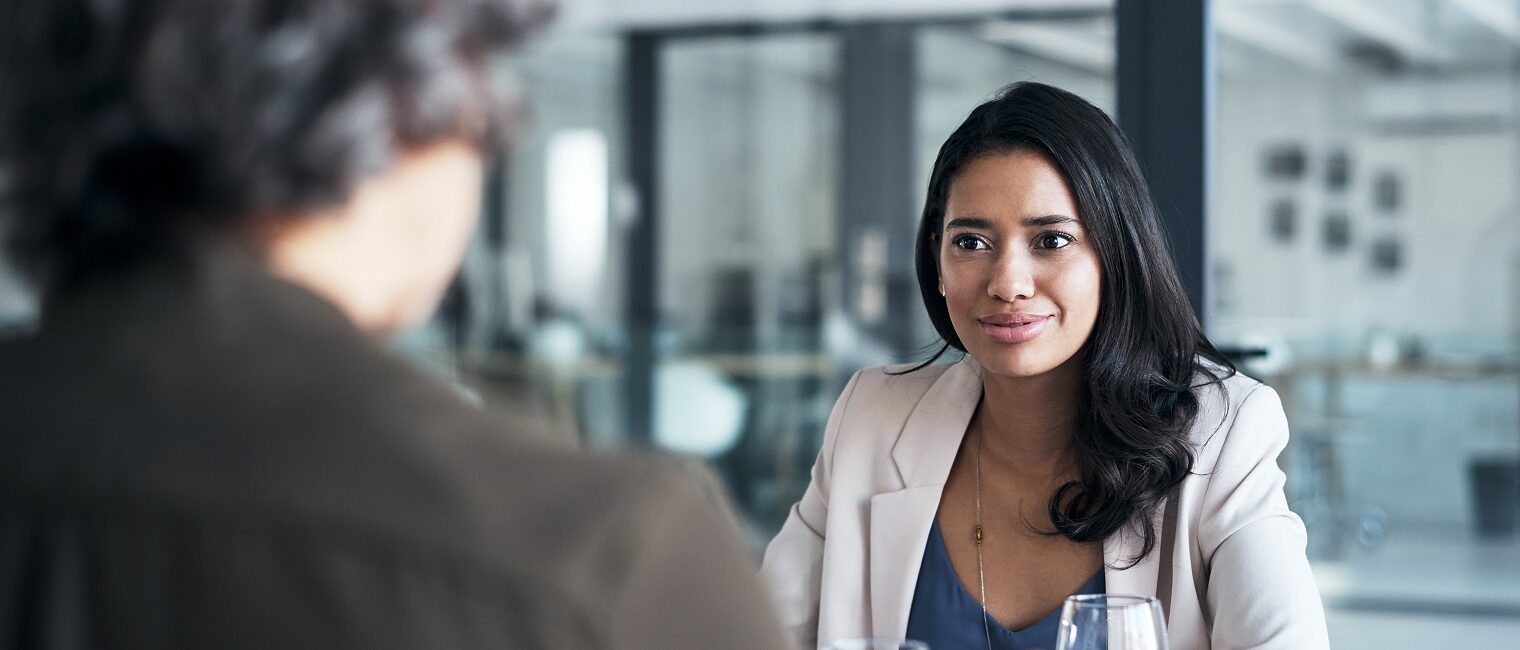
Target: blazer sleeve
[793, 564]
[1261, 592]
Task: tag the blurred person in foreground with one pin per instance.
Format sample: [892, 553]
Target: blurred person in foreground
[222, 206]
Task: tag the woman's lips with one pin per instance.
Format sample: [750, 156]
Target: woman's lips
[1013, 329]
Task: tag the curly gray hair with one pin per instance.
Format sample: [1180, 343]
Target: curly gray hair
[125, 122]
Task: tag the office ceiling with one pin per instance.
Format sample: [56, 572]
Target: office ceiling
[1309, 35]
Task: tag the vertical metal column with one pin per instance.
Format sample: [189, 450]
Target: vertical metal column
[1166, 106]
[493, 229]
[641, 273]
[878, 198]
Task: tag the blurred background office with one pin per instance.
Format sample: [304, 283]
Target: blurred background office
[706, 228]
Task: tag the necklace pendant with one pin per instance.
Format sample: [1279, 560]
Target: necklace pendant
[979, 534]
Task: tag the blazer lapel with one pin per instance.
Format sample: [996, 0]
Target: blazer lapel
[1139, 580]
[899, 531]
[923, 453]
[926, 448]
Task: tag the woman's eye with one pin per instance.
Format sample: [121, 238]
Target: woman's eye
[970, 243]
[1053, 240]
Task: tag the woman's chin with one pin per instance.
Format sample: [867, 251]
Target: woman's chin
[1017, 363]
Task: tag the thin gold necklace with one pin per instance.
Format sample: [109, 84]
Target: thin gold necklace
[981, 574]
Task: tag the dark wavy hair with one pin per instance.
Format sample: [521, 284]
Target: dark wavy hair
[126, 123]
[1138, 398]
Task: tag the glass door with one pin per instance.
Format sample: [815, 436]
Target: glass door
[747, 258]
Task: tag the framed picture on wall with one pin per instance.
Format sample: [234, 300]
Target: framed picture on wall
[1285, 161]
[1387, 192]
[1387, 255]
[1282, 220]
[1337, 232]
[1338, 170]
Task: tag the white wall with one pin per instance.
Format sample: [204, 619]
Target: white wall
[1459, 223]
[1410, 434]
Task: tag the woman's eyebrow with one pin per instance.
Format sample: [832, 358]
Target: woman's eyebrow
[970, 222]
[1049, 220]
[1031, 222]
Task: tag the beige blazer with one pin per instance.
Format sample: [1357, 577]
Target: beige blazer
[846, 562]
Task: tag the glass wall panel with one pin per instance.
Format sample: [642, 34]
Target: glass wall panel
[960, 66]
[750, 150]
[1367, 235]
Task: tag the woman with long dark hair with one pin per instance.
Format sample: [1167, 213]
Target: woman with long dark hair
[1090, 440]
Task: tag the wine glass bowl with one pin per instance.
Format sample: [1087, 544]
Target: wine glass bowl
[1111, 622]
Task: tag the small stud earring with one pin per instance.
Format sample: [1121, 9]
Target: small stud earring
[942, 290]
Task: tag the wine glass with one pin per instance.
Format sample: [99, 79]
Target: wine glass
[875, 644]
[1111, 622]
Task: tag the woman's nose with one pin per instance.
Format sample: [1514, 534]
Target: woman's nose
[1013, 278]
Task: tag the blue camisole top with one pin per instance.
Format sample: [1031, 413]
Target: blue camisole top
[945, 616]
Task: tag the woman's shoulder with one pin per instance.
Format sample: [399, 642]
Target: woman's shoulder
[1221, 391]
[882, 398]
[894, 390]
[1237, 411]
[900, 380]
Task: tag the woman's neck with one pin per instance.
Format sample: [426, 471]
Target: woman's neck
[1027, 422]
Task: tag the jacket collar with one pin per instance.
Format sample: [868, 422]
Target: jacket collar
[201, 288]
[930, 438]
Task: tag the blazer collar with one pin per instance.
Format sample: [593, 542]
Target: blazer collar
[926, 448]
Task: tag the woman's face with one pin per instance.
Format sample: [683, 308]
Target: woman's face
[1020, 278]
